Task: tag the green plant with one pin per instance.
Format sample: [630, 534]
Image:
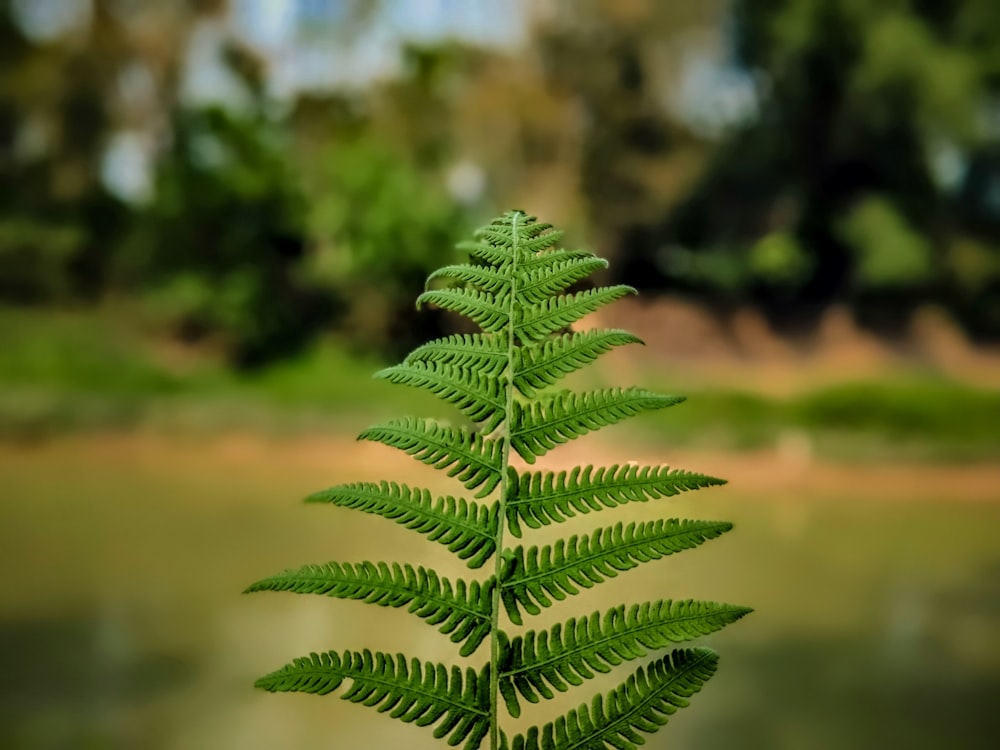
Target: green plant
[371, 197]
[220, 252]
[502, 379]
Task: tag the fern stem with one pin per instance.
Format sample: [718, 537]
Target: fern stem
[504, 488]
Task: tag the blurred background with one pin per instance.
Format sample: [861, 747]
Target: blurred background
[215, 216]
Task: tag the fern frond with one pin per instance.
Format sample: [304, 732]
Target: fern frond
[539, 243]
[534, 575]
[524, 225]
[546, 497]
[476, 394]
[462, 610]
[502, 234]
[553, 277]
[543, 364]
[524, 233]
[465, 528]
[485, 278]
[540, 319]
[643, 703]
[558, 418]
[421, 694]
[494, 244]
[483, 308]
[485, 252]
[520, 287]
[476, 351]
[469, 457]
[567, 654]
[549, 258]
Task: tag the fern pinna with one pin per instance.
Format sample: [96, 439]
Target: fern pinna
[502, 379]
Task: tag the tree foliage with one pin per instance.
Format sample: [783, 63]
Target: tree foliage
[862, 176]
[218, 252]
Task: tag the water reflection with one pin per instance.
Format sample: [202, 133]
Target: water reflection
[927, 678]
[925, 675]
[75, 682]
[877, 620]
[845, 693]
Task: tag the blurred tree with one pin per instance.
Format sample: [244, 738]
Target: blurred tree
[88, 110]
[219, 253]
[73, 75]
[52, 121]
[382, 225]
[398, 172]
[618, 63]
[874, 151]
[868, 170]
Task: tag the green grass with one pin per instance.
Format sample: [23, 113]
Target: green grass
[82, 352]
[916, 418]
[68, 372]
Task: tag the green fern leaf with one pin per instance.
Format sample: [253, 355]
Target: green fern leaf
[538, 244]
[488, 312]
[465, 528]
[542, 365]
[532, 576]
[551, 278]
[476, 351]
[484, 278]
[519, 237]
[567, 654]
[462, 610]
[643, 703]
[518, 288]
[547, 279]
[422, 694]
[485, 252]
[556, 419]
[469, 457]
[476, 394]
[543, 318]
[531, 263]
[542, 498]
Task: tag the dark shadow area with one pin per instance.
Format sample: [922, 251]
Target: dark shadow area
[842, 694]
[925, 677]
[74, 683]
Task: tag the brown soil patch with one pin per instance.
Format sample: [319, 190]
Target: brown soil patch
[743, 349]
